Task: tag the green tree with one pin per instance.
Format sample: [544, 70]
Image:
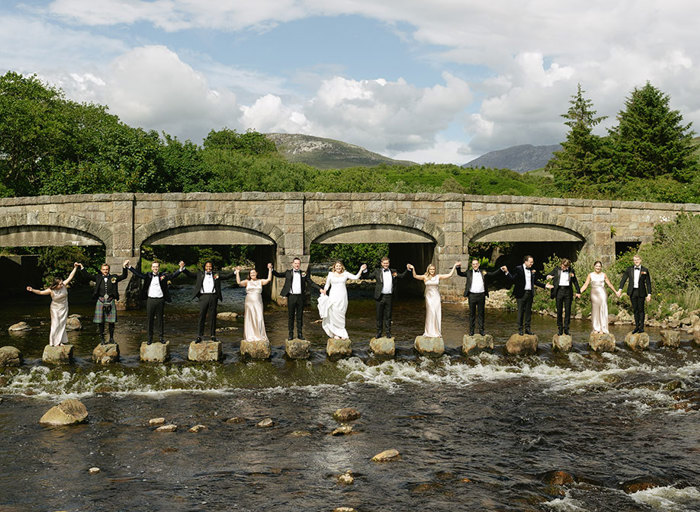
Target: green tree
[651, 140]
[578, 163]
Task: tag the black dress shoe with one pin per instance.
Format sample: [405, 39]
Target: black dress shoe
[640, 330]
[561, 331]
[111, 341]
[471, 333]
[635, 331]
[566, 331]
[388, 335]
[528, 331]
[378, 335]
[520, 332]
[161, 341]
[301, 338]
[213, 338]
[149, 342]
[198, 340]
[482, 333]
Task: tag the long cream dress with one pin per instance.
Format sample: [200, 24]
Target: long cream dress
[59, 316]
[253, 321]
[433, 308]
[599, 303]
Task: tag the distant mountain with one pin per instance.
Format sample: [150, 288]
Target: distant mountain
[517, 158]
[327, 153]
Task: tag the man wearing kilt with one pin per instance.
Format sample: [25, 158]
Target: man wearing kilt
[106, 293]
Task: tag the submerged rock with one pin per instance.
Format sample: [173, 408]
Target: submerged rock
[106, 354]
[602, 342]
[156, 421]
[300, 433]
[227, 315]
[346, 414]
[236, 419]
[383, 346]
[519, 344]
[342, 430]
[61, 354]
[639, 484]
[19, 327]
[266, 423]
[297, 349]
[73, 324]
[558, 478]
[68, 412]
[10, 356]
[429, 346]
[197, 428]
[155, 352]
[167, 428]
[255, 349]
[386, 456]
[205, 351]
[346, 478]
[339, 348]
[670, 339]
[469, 343]
[637, 341]
[562, 342]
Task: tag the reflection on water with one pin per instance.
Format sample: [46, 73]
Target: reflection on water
[477, 432]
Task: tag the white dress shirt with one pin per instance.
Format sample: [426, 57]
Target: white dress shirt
[528, 278]
[637, 273]
[155, 291]
[477, 282]
[208, 283]
[386, 282]
[564, 278]
[296, 282]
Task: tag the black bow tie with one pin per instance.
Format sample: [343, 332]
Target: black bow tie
[387, 270]
[208, 273]
[155, 275]
[567, 271]
[638, 268]
[298, 271]
[476, 271]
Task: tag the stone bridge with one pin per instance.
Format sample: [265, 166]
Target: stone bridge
[419, 227]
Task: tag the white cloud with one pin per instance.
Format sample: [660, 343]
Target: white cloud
[269, 115]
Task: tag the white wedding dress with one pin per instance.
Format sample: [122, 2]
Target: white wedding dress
[333, 307]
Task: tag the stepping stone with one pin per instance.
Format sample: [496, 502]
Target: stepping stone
[106, 354]
[383, 346]
[205, 351]
[339, 348]
[62, 354]
[470, 342]
[155, 352]
[297, 349]
[521, 344]
[426, 346]
[255, 349]
[602, 342]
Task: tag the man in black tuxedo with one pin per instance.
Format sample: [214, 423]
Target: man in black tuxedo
[564, 279]
[295, 283]
[639, 290]
[106, 294]
[156, 293]
[525, 279]
[207, 289]
[476, 291]
[385, 284]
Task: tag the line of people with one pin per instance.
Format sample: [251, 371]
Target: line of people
[333, 304]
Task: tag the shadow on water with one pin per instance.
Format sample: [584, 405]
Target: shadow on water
[478, 432]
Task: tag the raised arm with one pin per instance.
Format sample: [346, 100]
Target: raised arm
[124, 273]
[269, 275]
[237, 272]
[47, 291]
[461, 272]
[452, 272]
[510, 276]
[136, 272]
[362, 270]
[66, 282]
[588, 281]
[413, 270]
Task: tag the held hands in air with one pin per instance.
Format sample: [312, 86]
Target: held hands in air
[504, 269]
[549, 286]
[409, 266]
[126, 264]
[181, 264]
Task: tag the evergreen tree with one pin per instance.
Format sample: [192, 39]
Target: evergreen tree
[651, 140]
[578, 163]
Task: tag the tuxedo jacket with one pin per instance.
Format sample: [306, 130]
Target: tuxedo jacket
[377, 275]
[110, 288]
[218, 277]
[469, 274]
[573, 281]
[147, 278]
[644, 280]
[518, 278]
[288, 277]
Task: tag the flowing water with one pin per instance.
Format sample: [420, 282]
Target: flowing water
[475, 433]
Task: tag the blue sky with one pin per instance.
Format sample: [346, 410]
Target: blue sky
[440, 81]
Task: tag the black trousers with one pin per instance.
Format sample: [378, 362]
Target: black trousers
[111, 330]
[525, 310]
[208, 303]
[384, 310]
[154, 312]
[638, 302]
[295, 309]
[564, 299]
[477, 303]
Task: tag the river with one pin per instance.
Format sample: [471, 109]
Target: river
[475, 433]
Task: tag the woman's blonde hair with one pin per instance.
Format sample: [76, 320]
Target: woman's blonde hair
[338, 262]
[427, 270]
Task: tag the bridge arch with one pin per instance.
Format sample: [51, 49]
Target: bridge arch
[36, 229]
[527, 227]
[374, 227]
[208, 229]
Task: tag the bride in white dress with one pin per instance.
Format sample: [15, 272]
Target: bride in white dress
[333, 306]
[433, 301]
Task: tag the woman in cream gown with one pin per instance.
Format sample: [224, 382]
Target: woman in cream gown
[599, 299]
[334, 305]
[59, 307]
[253, 320]
[433, 302]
